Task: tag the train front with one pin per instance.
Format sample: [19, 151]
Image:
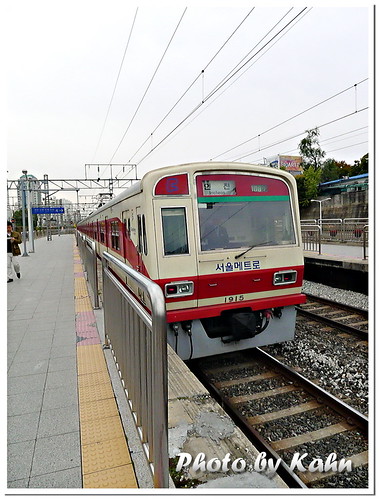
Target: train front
[236, 278]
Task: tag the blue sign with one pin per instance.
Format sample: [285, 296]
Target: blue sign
[45, 210]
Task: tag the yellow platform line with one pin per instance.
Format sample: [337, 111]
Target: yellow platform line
[106, 461]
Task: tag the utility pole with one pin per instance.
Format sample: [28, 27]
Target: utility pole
[30, 219]
[23, 200]
[47, 204]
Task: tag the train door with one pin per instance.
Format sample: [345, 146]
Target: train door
[131, 238]
[175, 242]
[128, 245]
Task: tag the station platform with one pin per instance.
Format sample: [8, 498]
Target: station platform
[64, 424]
[69, 423]
[339, 266]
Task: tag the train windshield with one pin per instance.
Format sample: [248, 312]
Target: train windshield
[239, 211]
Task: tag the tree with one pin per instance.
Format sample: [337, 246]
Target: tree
[344, 169]
[17, 215]
[307, 185]
[300, 181]
[311, 151]
[330, 171]
[333, 170]
[360, 166]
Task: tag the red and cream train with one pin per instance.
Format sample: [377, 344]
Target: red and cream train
[223, 242]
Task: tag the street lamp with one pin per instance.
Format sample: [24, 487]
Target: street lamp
[320, 201]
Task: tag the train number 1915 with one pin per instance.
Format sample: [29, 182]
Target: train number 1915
[230, 299]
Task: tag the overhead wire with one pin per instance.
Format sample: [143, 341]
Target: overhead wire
[232, 74]
[115, 86]
[333, 150]
[247, 69]
[201, 74]
[227, 77]
[148, 86]
[323, 141]
[297, 135]
[291, 118]
[347, 147]
[342, 136]
[217, 88]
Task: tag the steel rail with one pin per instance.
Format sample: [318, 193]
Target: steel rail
[327, 301]
[335, 322]
[283, 470]
[352, 416]
[338, 405]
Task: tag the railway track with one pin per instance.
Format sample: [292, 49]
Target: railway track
[346, 318]
[283, 413]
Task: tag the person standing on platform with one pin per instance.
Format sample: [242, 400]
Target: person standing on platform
[13, 251]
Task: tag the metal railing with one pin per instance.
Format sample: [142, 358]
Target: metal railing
[347, 230]
[311, 237]
[87, 250]
[332, 229]
[365, 241]
[138, 339]
[312, 221]
[353, 229]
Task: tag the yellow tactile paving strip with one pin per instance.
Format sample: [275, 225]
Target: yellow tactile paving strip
[82, 299]
[106, 461]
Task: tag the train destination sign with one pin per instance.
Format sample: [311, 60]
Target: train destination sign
[47, 210]
[219, 187]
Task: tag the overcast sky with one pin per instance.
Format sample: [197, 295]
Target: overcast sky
[64, 59]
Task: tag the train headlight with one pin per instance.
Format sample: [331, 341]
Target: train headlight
[285, 277]
[175, 289]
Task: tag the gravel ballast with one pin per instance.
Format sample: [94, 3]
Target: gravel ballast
[343, 296]
[338, 363]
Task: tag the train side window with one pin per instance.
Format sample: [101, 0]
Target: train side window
[126, 222]
[144, 238]
[139, 230]
[175, 237]
[102, 232]
[115, 236]
[128, 234]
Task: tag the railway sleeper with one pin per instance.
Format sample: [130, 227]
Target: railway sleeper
[311, 477]
[241, 399]
[271, 416]
[311, 436]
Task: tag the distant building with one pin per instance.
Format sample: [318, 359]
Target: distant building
[62, 219]
[346, 184]
[292, 164]
[32, 183]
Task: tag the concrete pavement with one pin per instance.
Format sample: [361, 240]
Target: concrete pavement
[43, 417]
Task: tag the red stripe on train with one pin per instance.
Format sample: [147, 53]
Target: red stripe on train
[234, 283]
[215, 310]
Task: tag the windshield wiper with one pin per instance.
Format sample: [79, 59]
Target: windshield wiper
[251, 247]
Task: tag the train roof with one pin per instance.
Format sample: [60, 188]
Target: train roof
[153, 175]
